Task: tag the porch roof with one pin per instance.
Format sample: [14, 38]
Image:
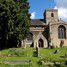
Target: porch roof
[38, 23]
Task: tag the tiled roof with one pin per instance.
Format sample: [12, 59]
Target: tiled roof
[38, 22]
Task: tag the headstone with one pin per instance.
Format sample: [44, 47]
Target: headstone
[56, 51]
[37, 51]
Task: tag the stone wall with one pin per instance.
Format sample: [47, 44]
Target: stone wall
[36, 37]
[54, 34]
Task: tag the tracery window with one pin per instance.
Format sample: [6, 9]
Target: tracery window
[62, 32]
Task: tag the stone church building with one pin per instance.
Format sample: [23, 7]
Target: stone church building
[49, 31]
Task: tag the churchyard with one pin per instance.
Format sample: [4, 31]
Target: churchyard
[31, 57]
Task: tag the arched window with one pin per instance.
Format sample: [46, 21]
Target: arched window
[62, 32]
[52, 14]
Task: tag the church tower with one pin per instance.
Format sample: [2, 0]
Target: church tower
[51, 15]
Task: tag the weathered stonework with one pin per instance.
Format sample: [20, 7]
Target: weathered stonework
[38, 26]
[54, 24]
[54, 34]
[37, 34]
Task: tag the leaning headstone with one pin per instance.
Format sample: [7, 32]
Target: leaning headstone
[56, 51]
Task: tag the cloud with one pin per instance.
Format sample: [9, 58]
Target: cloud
[55, 7]
[61, 5]
[62, 12]
[33, 15]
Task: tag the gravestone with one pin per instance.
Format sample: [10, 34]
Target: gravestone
[56, 51]
[36, 52]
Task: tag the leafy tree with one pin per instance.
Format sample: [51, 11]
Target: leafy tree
[14, 22]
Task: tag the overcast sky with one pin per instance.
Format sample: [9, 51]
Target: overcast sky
[37, 8]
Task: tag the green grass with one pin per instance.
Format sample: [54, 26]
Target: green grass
[44, 54]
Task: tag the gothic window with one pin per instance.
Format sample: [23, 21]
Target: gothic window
[52, 14]
[62, 32]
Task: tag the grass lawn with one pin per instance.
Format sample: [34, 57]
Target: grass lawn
[16, 54]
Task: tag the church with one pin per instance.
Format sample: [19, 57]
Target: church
[49, 31]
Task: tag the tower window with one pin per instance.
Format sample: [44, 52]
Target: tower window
[62, 32]
[52, 14]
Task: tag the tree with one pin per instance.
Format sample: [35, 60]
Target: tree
[14, 21]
